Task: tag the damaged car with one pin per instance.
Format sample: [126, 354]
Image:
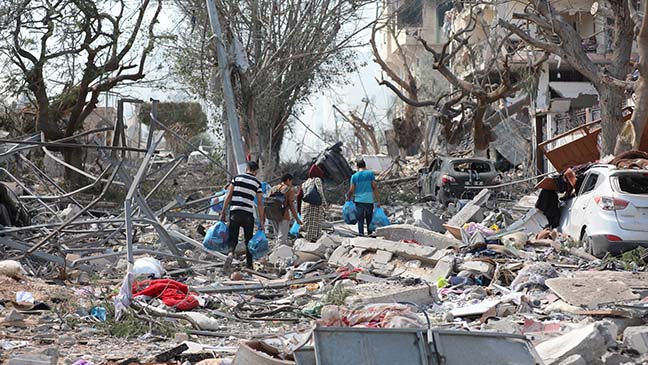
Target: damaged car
[609, 213]
[449, 179]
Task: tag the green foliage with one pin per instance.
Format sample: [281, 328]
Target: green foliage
[634, 258]
[187, 118]
[131, 325]
[336, 295]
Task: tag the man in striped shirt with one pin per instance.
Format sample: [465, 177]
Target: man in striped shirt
[240, 197]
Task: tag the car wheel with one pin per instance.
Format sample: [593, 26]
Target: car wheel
[588, 245]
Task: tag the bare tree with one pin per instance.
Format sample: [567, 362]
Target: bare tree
[67, 52]
[639, 121]
[363, 131]
[555, 34]
[284, 51]
[495, 79]
[408, 127]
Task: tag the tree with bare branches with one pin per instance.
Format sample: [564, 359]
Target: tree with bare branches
[481, 85]
[65, 53]
[408, 127]
[362, 130]
[285, 50]
[556, 35]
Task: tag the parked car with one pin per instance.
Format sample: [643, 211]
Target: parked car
[610, 211]
[446, 178]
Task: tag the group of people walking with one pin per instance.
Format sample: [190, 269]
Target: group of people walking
[306, 206]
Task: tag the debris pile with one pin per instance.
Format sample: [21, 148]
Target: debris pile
[87, 282]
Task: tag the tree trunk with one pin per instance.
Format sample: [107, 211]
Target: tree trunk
[74, 157]
[611, 102]
[640, 114]
[481, 132]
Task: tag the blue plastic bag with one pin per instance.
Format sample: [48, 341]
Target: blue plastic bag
[99, 313]
[379, 219]
[258, 245]
[294, 230]
[350, 213]
[216, 204]
[216, 237]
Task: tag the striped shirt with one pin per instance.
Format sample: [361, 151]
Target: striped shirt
[246, 187]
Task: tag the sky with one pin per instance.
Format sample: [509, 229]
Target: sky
[318, 113]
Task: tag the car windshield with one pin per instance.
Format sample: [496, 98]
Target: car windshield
[633, 183]
[476, 166]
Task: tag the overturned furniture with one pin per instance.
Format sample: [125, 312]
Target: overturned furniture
[576, 146]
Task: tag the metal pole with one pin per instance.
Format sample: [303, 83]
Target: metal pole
[154, 113]
[228, 92]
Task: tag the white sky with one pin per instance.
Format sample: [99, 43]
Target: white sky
[318, 114]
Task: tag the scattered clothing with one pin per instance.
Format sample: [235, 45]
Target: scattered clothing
[171, 292]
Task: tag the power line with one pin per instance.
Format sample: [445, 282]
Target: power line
[308, 128]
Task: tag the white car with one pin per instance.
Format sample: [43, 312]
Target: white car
[610, 211]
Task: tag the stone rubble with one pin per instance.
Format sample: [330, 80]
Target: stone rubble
[490, 268]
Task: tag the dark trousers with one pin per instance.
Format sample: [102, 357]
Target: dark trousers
[365, 214]
[245, 220]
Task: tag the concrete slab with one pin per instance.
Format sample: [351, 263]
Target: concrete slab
[407, 250]
[635, 280]
[443, 268]
[383, 257]
[591, 342]
[590, 292]
[421, 295]
[425, 218]
[475, 266]
[470, 210]
[397, 232]
[315, 248]
[636, 338]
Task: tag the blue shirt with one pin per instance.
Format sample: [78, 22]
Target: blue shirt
[363, 186]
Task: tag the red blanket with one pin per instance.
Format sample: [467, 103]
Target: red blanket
[171, 292]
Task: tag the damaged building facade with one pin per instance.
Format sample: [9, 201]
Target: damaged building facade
[560, 100]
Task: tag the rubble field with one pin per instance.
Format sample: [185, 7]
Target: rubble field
[485, 274]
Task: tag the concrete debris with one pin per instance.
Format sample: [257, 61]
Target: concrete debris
[400, 232]
[636, 338]
[14, 316]
[372, 294]
[407, 250]
[590, 342]
[590, 292]
[12, 269]
[471, 211]
[122, 276]
[425, 218]
[574, 360]
[613, 358]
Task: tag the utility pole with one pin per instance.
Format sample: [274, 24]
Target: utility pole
[228, 92]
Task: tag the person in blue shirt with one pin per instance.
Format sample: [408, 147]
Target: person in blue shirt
[364, 192]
